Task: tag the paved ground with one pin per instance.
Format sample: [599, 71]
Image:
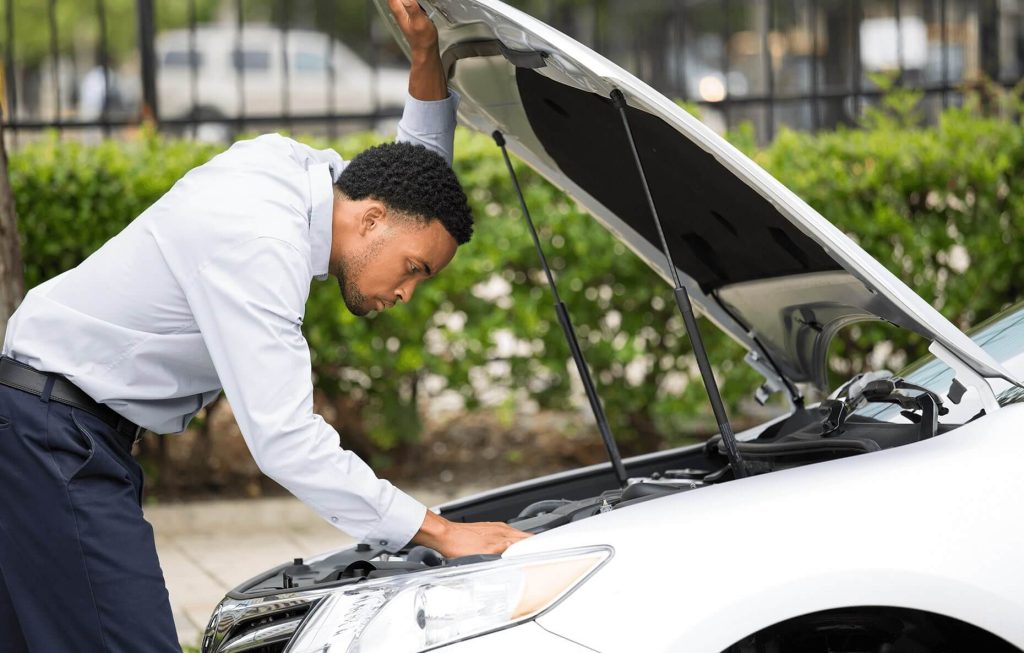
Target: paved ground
[207, 548]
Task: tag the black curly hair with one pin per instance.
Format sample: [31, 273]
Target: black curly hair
[413, 180]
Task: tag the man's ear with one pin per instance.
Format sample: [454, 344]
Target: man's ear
[372, 217]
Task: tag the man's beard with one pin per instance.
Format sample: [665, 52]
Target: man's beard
[349, 270]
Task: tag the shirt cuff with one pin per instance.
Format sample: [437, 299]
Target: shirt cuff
[399, 523]
[430, 116]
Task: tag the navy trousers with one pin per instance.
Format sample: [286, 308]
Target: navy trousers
[78, 564]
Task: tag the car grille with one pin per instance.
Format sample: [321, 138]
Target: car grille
[247, 626]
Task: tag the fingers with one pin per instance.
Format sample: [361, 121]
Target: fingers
[405, 10]
[400, 10]
[417, 27]
[516, 534]
[506, 535]
[479, 537]
[397, 7]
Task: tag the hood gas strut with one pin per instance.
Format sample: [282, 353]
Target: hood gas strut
[685, 307]
[570, 333]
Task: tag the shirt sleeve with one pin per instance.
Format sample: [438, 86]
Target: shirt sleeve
[430, 123]
[248, 302]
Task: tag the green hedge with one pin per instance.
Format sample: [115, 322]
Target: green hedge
[917, 198]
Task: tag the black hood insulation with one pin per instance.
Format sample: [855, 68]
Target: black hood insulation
[720, 230]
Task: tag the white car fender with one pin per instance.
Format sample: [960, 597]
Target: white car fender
[921, 526]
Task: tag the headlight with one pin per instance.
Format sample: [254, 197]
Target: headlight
[421, 611]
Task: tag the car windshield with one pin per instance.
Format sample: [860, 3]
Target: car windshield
[250, 59]
[183, 59]
[1002, 337]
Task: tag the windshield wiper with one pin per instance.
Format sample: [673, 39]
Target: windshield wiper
[685, 307]
[567, 329]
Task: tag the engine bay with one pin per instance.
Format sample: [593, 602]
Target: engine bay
[367, 562]
[824, 432]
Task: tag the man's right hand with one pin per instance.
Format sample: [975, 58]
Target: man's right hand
[454, 539]
[426, 76]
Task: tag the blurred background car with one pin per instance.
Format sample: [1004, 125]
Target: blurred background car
[217, 73]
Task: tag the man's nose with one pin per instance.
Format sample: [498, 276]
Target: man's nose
[405, 292]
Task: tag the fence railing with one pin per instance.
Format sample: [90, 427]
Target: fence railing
[213, 68]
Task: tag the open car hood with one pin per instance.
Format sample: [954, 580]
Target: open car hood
[756, 259]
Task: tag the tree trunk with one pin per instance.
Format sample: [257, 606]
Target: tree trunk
[12, 275]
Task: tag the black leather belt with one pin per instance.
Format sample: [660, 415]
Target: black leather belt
[23, 377]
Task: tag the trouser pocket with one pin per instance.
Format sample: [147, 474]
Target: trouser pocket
[70, 448]
[108, 463]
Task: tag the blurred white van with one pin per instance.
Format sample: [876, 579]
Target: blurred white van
[247, 76]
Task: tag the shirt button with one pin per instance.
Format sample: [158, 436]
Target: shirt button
[383, 542]
[334, 519]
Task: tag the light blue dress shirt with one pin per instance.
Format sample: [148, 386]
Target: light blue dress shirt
[207, 290]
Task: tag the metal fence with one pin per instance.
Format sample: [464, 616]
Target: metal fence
[213, 68]
[806, 64]
[199, 67]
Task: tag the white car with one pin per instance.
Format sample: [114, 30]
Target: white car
[246, 76]
[880, 520]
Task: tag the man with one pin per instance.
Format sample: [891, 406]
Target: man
[206, 289]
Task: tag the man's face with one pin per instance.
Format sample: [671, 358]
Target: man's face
[386, 258]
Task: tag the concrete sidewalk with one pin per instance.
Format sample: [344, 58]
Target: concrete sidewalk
[207, 548]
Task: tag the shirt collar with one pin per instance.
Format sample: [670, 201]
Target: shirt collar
[321, 216]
